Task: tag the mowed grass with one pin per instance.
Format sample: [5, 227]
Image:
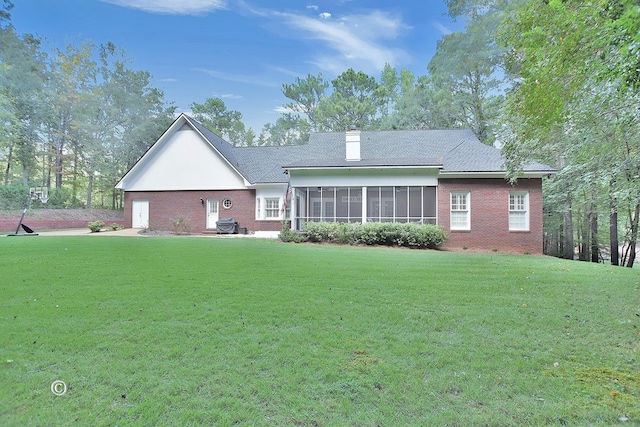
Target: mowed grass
[179, 331]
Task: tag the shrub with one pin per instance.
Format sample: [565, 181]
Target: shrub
[424, 236]
[289, 235]
[374, 233]
[331, 232]
[320, 231]
[181, 225]
[345, 233]
[96, 226]
[116, 227]
[59, 198]
[368, 234]
[13, 196]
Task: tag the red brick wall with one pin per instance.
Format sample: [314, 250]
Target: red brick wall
[167, 206]
[490, 215]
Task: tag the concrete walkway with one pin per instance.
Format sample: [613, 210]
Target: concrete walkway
[86, 231]
[134, 232]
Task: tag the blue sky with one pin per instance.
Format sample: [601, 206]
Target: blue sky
[244, 50]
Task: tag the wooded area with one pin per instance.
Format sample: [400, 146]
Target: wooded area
[550, 80]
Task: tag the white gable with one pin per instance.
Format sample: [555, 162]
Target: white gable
[182, 160]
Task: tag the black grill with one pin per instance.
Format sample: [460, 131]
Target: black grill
[227, 226]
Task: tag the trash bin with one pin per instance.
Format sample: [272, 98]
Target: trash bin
[227, 226]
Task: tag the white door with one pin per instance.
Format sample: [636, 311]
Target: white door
[212, 213]
[140, 214]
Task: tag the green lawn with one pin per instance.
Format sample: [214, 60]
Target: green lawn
[200, 331]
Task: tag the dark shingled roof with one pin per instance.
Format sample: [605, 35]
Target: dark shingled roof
[452, 150]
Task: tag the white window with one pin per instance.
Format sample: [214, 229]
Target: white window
[519, 211]
[272, 208]
[460, 211]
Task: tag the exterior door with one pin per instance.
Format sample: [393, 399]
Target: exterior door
[140, 214]
[212, 213]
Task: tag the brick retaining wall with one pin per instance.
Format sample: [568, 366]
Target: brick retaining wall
[9, 225]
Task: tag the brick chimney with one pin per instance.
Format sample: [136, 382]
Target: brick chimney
[352, 139]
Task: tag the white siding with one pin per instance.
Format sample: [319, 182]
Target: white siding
[364, 177]
[264, 192]
[183, 161]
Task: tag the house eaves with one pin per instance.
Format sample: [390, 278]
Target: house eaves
[495, 174]
[366, 164]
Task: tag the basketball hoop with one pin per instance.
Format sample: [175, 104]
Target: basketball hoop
[35, 193]
[39, 193]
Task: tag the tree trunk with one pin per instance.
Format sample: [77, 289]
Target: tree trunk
[25, 175]
[595, 251]
[568, 230]
[57, 163]
[7, 171]
[634, 237]
[613, 229]
[89, 190]
[59, 143]
[75, 173]
[583, 247]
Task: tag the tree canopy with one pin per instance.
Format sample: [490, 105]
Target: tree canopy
[75, 119]
[574, 104]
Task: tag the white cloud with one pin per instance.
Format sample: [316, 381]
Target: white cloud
[253, 80]
[285, 71]
[325, 15]
[174, 7]
[284, 110]
[313, 7]
[442, 28]
[231, 96]
[357, 41]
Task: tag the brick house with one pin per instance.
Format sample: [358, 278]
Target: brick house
[190, 176]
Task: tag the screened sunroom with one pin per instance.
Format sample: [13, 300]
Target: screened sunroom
[365, 204]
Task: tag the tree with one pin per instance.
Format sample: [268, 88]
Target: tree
[251, 137]
[80, 117]
[306, 95]
[125, 116]
[390, 83]
[465, 67]
[71, 86]
[355, 101]
[571, 101]
[215, 116]
[23, 76]
[290, 129]
[424, 105]
[5, 11]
